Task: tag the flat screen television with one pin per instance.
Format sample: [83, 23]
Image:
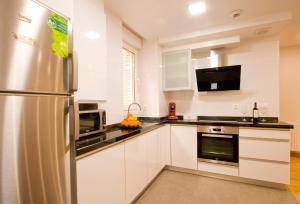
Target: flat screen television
[219, 78]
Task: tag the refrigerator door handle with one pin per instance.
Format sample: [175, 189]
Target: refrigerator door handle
[74, 72]
[76, 120]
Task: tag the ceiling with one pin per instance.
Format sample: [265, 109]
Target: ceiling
[163, 19]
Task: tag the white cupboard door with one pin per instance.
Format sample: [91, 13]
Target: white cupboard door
[101, 177]
[90, 48]
[184, 146]
[153, 153]
[136, 166]
[165, 145]
[177, 73]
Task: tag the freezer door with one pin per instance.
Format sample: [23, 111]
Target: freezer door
[36, 150]
[29, 59]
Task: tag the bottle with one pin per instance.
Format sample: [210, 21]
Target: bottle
[255, 113]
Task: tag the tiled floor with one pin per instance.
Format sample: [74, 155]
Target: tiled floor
[181, 188]
[295, 177]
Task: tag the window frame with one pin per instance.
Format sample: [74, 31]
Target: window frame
[134, 71]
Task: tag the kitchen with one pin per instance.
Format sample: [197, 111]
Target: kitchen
[75, 77]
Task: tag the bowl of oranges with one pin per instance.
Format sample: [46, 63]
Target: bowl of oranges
[130, 121]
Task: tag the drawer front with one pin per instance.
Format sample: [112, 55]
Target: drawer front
[265, 171]
[265, 133]
[218, 168]
[275, 150]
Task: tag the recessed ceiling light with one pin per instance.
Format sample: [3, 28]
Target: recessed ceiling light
[197, 8]
[92, 35]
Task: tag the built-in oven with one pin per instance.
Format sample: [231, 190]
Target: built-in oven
[218, 144]
[91, 119]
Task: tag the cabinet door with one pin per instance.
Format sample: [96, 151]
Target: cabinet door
[165, 146]
[153, 153]
[184, 146]
[90, 48]
[136, 166]
[101, 177]
[177, 70]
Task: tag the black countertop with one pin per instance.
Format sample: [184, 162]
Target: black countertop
[113, 136]
[279, 124]
[116, 135]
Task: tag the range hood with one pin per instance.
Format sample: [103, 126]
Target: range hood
[220, 76]
[217, 57]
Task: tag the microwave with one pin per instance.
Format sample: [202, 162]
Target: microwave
[91, 119]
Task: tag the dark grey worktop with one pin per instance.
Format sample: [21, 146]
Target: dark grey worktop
[280, 125]
[116, 134]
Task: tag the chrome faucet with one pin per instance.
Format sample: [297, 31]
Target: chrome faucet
[134, 103]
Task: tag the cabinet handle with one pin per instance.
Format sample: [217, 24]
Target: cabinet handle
[24, 39]
[24, 18]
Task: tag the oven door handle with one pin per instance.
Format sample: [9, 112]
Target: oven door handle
[217, 136]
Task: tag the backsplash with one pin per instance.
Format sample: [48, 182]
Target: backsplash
[259, 83]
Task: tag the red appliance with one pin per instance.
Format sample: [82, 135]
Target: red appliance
[172, 111]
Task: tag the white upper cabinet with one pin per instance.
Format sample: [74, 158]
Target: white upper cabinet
[90, 48]
[177, 70]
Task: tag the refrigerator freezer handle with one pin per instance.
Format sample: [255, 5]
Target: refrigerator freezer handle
[76, 120]
[74, 72]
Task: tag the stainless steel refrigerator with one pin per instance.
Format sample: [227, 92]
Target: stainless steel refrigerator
[37, 111]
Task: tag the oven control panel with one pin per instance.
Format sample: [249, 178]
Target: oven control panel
[218, 129]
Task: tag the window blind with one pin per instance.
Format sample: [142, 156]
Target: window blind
[128, 77]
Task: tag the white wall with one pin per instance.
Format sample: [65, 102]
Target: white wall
[290, 84]
[149, 74]
[290, 91]
[259, 83]
[114, 102]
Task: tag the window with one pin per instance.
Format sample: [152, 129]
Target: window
[129, 61]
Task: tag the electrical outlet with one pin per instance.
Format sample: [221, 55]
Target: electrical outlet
[235, 106]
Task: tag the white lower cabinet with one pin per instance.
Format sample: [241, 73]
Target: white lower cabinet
[165, 146]
[184, 146]
[270, 171]
[136, 166]
[101, 177]
[265, 154]
[119, 174]
[145, 156]
[153, 153]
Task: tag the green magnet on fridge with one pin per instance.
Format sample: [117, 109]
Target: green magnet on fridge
[60, 38]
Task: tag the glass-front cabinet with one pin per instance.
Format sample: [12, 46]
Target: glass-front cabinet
[177, 72]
